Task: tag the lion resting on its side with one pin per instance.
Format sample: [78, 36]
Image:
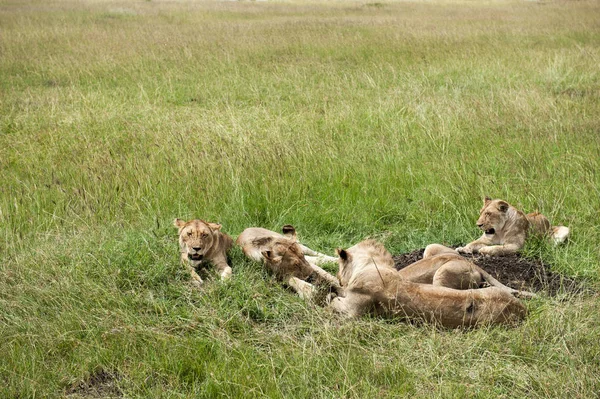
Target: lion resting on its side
[285, 257]
[443, 267]
[203, 242]
[505, 229]
[371, 284]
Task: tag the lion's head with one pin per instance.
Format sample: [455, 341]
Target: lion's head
[345, 268]
[359, 256]
[284, 257]
[492, 216]
[196, 238]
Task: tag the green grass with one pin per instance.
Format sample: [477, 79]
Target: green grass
[346, 119]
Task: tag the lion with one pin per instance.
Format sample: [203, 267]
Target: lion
[505, 229]
[444, 267]
[372, 285]
[201, 243]
[290, 261]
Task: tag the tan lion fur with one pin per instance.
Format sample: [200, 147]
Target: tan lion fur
[372, 285]
[290, 261]
[505, 229]
[203, 242]
[444, 267]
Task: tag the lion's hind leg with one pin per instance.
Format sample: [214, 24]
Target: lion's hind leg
[312, 256]
[461, 274]
[458, 274]
[436, 249]
[320, 259]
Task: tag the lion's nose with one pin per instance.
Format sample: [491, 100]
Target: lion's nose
[196, 248]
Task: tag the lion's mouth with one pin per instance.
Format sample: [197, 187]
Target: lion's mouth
[195, 256]
[490, 231]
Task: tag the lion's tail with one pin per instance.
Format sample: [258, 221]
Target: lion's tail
[559, 234]
[495, 283]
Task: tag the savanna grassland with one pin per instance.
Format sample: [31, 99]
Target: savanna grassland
[349, 120]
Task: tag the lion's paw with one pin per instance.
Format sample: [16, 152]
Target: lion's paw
[197, 282]
[330, 297]
[464, 250]
[487, 251]
[226, 275]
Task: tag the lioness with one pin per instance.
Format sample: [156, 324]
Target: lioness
[505, 229]
[290, 261]
[444, 267]
[371, 284]
[203, 242]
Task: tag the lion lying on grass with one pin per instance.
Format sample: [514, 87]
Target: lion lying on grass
[372, 285]
[290, 261]
[201, 243]
[443, 267]
[505, 229]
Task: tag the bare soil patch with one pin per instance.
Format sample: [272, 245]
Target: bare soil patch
[515, 271]
[100, 384]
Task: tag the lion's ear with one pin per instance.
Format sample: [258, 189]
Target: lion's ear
[289, 231]
[343, 254]
[179, 223]
[503, 206]
[214, 226]
[486, 200]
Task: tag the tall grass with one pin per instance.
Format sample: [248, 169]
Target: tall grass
[347, 119]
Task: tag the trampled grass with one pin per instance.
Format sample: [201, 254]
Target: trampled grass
[347, 119]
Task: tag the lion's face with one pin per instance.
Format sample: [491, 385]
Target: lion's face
[492, 216]
[196, 238]
[285, 258]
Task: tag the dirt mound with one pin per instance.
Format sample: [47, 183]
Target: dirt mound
[514, 271]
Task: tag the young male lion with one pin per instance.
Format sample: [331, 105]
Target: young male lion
[201, 243]
[371, 284]
[505, 229]
[290, 261]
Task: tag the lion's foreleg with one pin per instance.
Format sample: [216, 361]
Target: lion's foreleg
[474, 246]
[196, 279]
[351, 306]
[559, 234]
[305, 290]
[328, 278]
[500, 250]
[222, 268]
